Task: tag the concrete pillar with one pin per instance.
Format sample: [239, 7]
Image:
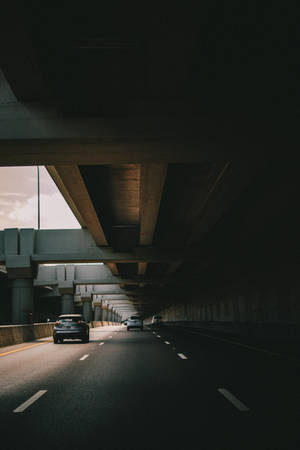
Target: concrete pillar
[108, 313]
[67, 304]
[97, 313]
[87, 311]
[22, 301]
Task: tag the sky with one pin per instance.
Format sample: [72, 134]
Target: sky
[19, 200]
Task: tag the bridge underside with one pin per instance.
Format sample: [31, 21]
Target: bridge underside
[172, 143]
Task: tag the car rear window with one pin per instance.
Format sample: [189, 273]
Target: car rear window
[70, 319]
[134, 318]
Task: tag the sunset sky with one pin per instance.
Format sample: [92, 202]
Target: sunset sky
[18, 200]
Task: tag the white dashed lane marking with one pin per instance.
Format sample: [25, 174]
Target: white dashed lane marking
[101, 343]
[84, 357]
[232, 399]
[166, 342]
[181, 355]
[29, 402]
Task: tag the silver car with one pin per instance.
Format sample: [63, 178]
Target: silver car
[134, 322]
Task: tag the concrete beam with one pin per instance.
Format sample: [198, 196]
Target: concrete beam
[28, 137]
[119, 280]
[70, 183]
[139, 254]
[78, 246]
[18, 57]
[151, 189]
[73, 188]
[54, 174]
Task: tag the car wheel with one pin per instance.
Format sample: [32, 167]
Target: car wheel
[61, 340]
[128, 328]
[55, 340]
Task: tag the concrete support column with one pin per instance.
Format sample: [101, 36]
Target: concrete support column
[22, 301]
[87, 311]
[107, 313]
[67, 304]
[98, 313]
[112, 315]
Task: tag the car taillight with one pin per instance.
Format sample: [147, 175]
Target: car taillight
[57, 322]
[79, 321]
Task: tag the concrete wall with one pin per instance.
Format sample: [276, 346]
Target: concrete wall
[16, 334]
[5, 305]
[266, 313]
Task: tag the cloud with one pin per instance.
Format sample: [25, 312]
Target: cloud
[12, 194]
[54, 213]
[19, 209]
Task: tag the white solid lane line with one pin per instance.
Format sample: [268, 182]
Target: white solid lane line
[29, 402]
[84, 357]
[181, 355]
[166, 342]
[235, 401]
[101, 343]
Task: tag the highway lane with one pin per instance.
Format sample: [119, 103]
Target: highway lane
[135, 389]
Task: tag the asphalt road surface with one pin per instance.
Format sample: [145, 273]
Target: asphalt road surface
[155, 389]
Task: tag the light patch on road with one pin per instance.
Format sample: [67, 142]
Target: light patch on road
[84, 357]
[153, 332]
[29, 402]
[181, 355]
[24, 348]
[158, 336]
[101, 343]
[232, 399]
[166, 342]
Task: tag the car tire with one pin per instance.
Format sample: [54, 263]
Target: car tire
[55, 340]
[128, 328]
[61, 340]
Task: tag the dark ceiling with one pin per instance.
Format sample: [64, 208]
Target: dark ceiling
[132, 57]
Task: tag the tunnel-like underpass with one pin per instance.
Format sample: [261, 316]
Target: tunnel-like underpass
[173, 136]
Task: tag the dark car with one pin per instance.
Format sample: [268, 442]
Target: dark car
[70, 326]
[156, 320]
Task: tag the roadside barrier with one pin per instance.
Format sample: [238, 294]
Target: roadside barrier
[16, 334]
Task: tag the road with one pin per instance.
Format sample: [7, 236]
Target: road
[156, 389]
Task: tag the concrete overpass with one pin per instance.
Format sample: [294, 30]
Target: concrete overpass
[177, 164]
